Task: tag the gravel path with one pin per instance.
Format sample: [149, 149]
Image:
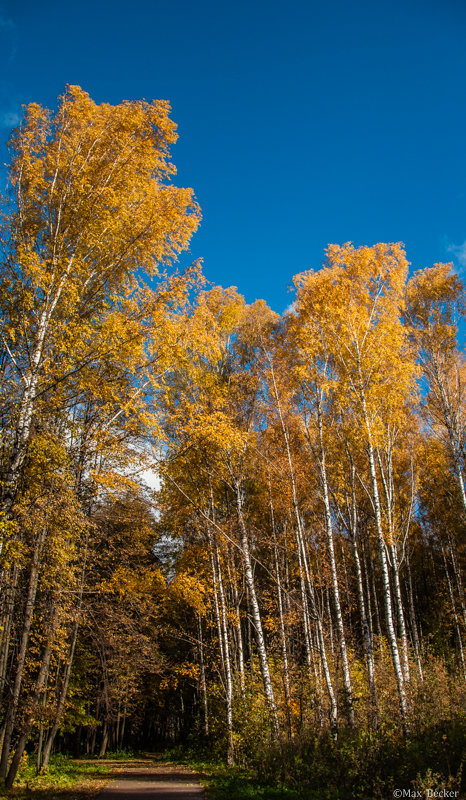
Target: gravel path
[160, 782]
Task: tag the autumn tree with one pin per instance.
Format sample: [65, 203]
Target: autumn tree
[436, 303]
[85, 341]
[90, 209]
[365, 336]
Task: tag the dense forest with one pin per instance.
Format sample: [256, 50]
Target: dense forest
[290, 595]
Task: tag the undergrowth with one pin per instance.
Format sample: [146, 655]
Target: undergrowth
[222, 782]
[61, 776]
[362, 765]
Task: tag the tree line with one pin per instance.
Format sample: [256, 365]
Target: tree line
[298, 573]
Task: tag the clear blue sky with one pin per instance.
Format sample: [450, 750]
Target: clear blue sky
[301, 123]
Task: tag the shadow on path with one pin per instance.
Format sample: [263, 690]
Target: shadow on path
[144, 780]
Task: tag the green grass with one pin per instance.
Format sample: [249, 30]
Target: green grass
[65, 778]
[225, 783]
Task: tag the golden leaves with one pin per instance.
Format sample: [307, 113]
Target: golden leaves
[92, 193]
[188, 590]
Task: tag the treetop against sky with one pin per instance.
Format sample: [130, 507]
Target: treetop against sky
[300, 123]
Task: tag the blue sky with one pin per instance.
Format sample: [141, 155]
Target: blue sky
[301, 123]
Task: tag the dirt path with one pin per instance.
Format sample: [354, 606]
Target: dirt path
[149, 781]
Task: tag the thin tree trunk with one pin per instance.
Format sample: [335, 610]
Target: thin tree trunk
[34, 700]
[373, 588]
[453, 607]
[61, 701]
[104, 743]
[213, 567]
[301, 547]
[365, 628]
[386, 580]
[325, 602]
[387, 482]
[229, 682]
[333, 566]
[414, 632]
[452, 429]
[384, 564]
[26, 408]
[399, 608]
[7, 621]
[21, 659]
[249, 632]
[68, 667]
[222, 627]
[457, 574]
[286, 675]
[366, 635]
[40, 743]
[319, 630]
[239, 633]
[123, 721]
[202, 676]
[312, 667]
[264, 665]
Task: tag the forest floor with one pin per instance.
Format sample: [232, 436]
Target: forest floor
[110, 779]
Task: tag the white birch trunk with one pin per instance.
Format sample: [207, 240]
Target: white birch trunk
[310, 587]
[333, 567]
[264, 665]
[386, 581]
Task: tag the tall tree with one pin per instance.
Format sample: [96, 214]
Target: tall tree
[90, 208]
[436, 302]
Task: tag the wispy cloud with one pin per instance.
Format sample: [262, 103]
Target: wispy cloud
[290, 309]
[458, 252]
[9, 119]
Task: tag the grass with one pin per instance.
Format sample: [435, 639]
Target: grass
[225, 783]
[221, 782]
[65, 779]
